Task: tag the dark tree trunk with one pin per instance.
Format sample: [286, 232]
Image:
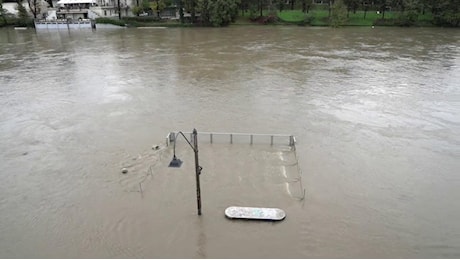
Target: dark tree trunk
[33, 7]
[260, 8]
[330, 8]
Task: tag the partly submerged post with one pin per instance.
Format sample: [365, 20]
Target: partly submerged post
[197, 171]
[176, 162]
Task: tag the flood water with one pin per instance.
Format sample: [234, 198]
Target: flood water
[375, 112]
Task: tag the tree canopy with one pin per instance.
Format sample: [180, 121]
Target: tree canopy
[222, 12]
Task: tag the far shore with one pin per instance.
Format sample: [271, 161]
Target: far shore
[283, 18]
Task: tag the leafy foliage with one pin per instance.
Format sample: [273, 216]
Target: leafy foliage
[157, 6]
[408, 18]
[137, 10]
[23, 16]
[34, 7]
[222, 12]
[106, 20]
[338, 14]
[3, 12]
[144, 7]
[447, 13]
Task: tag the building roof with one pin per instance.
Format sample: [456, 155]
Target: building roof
[62, 2]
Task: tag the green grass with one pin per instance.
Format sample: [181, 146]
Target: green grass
[357, 19]
[316, 17]
[320, 17]
[292, 16]
[425, 19]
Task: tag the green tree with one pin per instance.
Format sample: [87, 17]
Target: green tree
[190, 6]
[23, 15]
[352, 5]
[430, 5]
[222, 12]
[365, 6]
[204, 8]
[306, 5]
[447, 13]
[244, 6]
[180, 6]
[157, 6]
[260, 6]
[34, 7]
[331, 2]
[145, 6]
[136, 10]
[280, 5]
[338, 14]
[409, 11]
[3, 13]
[382, 6]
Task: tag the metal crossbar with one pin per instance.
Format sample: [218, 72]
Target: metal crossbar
[231, 138]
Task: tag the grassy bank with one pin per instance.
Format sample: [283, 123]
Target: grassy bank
[316, 17]
[359, 18]
[320, 17]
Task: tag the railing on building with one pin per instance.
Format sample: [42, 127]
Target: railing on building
[64, 24]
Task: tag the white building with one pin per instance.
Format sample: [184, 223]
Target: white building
[77, 9]
[91, 9]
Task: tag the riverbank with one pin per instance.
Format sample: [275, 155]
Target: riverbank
[292, 17]
[288, 17]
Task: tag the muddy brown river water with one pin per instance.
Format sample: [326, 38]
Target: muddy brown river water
[375, 112]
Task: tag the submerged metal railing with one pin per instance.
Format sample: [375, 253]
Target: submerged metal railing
[215, 137]
[241, 138]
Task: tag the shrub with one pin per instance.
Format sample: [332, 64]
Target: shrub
[407, 18]
[307, 20]
[338, 14]
[222, 12]
[384, 22]
[110, 21]
[253, 16]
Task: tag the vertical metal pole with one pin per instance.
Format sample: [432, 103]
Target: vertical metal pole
[119, 10]
[197, 171]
